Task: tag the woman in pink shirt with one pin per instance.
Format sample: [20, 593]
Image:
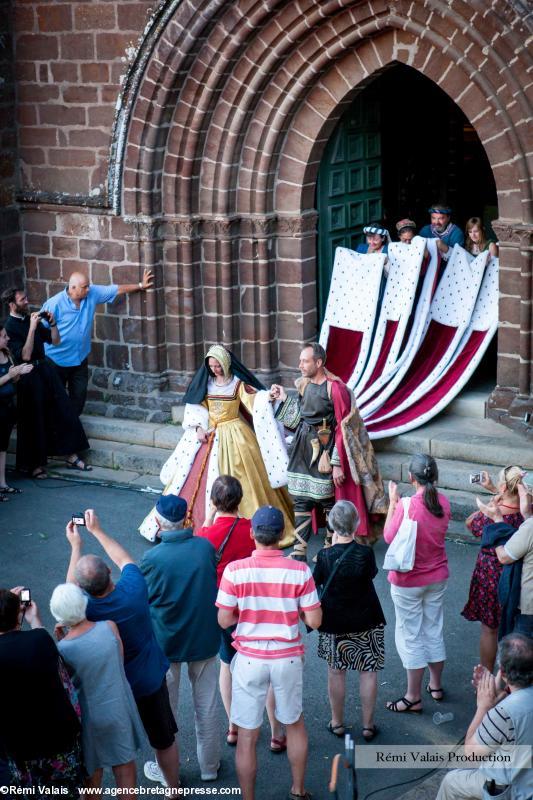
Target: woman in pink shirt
[418, 594]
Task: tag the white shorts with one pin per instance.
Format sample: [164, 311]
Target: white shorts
[251, 678]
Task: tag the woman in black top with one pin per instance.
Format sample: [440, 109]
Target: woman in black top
[40, 731]
[352, 631]
[47, 424]
[9, 375]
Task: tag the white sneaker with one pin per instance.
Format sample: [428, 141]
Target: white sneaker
[210, 776]
[153, 772]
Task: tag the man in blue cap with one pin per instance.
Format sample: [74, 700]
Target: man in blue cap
[441, 228]
[266, 594]
[180, 574]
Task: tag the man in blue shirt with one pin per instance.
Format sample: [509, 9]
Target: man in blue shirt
[181, 577]
[441, 228]
[126, 604]
[73, 310]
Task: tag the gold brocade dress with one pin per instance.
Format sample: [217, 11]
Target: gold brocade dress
[239, 454]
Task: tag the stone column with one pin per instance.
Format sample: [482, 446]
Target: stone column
[512, 400]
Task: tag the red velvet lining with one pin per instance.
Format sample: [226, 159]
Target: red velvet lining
[198, 512]
[390, 332]
[435, 344]
[437, 392]
[343, 351]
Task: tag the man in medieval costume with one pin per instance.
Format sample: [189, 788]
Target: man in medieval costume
[443, 229]
[228, 429]
[330, 457]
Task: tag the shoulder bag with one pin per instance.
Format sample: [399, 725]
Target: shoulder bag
[400, 555]
[220, 550]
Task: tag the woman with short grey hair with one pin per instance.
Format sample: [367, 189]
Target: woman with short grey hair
[352, 632]
[112, 731]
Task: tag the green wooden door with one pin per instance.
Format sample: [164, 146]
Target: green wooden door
[349, 187]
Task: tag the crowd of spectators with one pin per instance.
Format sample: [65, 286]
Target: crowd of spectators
[112, 681]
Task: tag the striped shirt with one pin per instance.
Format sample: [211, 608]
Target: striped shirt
[496, 728]
[269, 590]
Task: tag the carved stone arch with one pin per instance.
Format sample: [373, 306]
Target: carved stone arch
[224, 119]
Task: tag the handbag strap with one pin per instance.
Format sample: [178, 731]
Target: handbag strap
[218, 554]
[336, 566]
[406, 502]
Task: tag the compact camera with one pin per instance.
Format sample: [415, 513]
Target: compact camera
[25, 597]
[78, 519]
[44, 315]
[476, 477]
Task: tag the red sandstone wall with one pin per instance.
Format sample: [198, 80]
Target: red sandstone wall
[10, 236]
[71, 58]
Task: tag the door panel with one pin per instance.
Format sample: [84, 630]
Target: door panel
[349, 187]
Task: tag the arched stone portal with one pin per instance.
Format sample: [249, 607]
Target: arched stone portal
[224, 139]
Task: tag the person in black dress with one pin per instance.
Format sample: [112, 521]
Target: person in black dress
[9, 375]
[46, 422]
[353, 625]
[40, 732]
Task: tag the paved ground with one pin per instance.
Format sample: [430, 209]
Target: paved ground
[34, 552]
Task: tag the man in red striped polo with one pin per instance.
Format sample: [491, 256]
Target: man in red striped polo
[267, 594]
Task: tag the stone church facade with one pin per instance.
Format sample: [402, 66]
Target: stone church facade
[187, 135]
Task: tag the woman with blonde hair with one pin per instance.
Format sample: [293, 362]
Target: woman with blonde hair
[482, 606]
[476, 241]
[112, 731]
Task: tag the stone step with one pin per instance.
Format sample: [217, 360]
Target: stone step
[148, 434]
[452, 474]
[477, 441]
[462, 504]
[469, 404]
[142, 459]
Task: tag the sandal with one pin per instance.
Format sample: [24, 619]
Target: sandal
[432, 692]
[336, 730]
[39, 474]
[231, 737]
[371, 734]
[392, 705]
[3, 499]
[278, 745]
[9, 490]
[79, 465]
[306, 796]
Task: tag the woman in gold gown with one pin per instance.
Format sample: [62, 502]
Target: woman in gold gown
[219, 439]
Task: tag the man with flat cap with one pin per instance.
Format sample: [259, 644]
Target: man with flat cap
[180, 574]
[73, 310]
[443, 229]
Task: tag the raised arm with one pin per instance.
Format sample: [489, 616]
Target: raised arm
[146, 283]
[27, 349]
[113, 549]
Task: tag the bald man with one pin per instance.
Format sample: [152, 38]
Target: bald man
[73, 309]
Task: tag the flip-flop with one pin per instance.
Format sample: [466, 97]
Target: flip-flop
[278, 745]
[41, 475]
[432, 692]
[231, 737]
[372, 733]
[392, 705]
[78, 465]
[336, 730]
[9, 490]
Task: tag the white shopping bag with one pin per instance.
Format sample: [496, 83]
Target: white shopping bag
[400, 555]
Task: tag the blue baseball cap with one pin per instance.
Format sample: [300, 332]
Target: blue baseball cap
[268, 518]
[171, 507]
